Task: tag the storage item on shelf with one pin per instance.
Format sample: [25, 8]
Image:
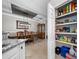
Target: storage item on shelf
[59, 22]
[74, 30]
[76, 41]
[67, 21]
[75, 6]
[66, 39]
[75, 49]
[63, 29]
[66, 29]
[63, 38]
[57, 37]
[64, 50]
[73, 40]
[72, 51]
[72, 6]
[74, 19]
[69, 39]
[60, 12]
[57, 50]
[68, 56]
[67, 8]
[59, 30]
[64, 11]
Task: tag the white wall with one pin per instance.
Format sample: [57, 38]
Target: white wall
[51, 32]
[6, 6]
[9, 22]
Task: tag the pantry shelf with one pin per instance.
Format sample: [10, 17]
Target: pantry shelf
[70, 23]
[66, 43]
[66, 33]
[66, 14]
[65, 28]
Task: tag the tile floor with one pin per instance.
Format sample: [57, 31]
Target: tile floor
[37, 50]
[59, 57]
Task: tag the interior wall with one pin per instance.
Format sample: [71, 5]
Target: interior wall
[9, 22]
[51, 32]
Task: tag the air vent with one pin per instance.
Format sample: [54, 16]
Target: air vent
[21, 11]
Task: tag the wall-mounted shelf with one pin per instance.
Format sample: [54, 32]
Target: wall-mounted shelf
[66, 43]
[70, 23]
[66, 14]
[66, 33]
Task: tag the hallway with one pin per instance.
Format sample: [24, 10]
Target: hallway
[37, 50]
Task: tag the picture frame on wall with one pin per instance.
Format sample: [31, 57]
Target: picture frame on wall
[22, 25]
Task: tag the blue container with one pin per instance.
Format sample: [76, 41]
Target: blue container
[64, 50]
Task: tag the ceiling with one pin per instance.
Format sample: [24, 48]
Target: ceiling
[55, 3]
[38, 6]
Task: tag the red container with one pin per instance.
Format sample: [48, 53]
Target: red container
[68, 56]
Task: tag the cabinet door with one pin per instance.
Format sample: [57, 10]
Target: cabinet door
[16, 56]
[22, 51]
[11, 54]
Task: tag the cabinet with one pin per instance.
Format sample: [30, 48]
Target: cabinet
[11, 54]
[22, 51]
[17, 52]
[41, 31]
[16, 56]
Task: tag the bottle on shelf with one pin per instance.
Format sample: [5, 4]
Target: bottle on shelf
[67, 8]
[72, 6]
